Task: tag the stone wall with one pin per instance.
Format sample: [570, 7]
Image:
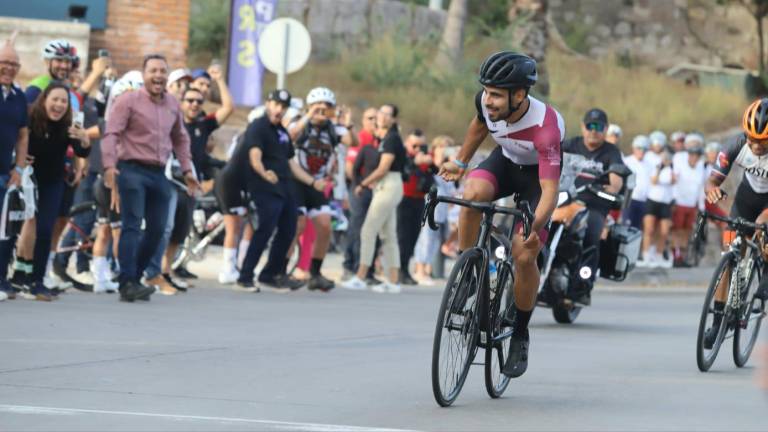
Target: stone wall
[34, 34]
[336, 24]
[660, 32]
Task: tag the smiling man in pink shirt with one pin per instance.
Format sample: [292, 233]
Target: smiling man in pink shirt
[144, 127]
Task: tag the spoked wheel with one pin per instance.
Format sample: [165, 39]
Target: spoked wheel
[457, 328]
[705, 354]
[501, 307]
[750, 316]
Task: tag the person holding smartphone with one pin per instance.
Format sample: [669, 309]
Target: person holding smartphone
[51, 132]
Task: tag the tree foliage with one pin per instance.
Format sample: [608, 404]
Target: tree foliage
[208, 23]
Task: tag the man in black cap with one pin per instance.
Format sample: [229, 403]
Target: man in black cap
[266, 162]
[598, 155]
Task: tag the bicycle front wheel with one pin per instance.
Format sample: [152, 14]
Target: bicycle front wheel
[706, 354]
[457, 328]
[500, 324]
[748, 321]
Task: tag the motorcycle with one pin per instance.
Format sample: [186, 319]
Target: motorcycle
[564, 273]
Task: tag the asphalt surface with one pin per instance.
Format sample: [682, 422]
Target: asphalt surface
[215, 359]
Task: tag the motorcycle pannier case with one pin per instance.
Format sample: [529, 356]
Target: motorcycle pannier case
[619, 251]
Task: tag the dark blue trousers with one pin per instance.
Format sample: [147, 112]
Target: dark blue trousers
[144, 195]
[275, 213]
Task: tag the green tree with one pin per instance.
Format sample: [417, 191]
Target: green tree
[208, 23]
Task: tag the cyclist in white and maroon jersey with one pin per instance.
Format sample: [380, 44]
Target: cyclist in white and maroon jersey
[526, 162]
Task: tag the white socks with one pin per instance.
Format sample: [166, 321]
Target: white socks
[242, 250]
[100, 269]
[230, 259]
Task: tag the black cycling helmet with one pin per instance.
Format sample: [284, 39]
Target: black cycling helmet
[508, 70]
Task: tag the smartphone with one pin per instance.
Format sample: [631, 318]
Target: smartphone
[78, 119]
[103, 52]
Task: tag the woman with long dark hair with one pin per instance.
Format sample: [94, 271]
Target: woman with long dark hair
[51, 133]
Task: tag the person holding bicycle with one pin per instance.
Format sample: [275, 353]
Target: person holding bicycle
[526, 162]
[749, 151]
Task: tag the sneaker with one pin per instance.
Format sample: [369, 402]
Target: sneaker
[387, 288]
[162, 285]
[372, 280]
[8, 290]
[710, 336]
[228, 277]
[355, 284]
[517, 360]
[85, 278]
[276, 286]
[246, 286]
[407, 279]
[183, 273]
[666, 263]
[176, 283]
[19, 279]
[105, 286]
[347, 275]
[426, 280]
[3, 296]
[132, 290]
[283, 282]
[53, 281]
[42, 293]
[319, 282]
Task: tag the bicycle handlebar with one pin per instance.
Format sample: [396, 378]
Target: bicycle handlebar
[738, 224]
[524, 212]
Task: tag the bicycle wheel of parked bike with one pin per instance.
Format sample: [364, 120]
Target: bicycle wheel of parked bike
[697, 242]
[501, 304]
[705, 356]
[750, 316]
[456, 330]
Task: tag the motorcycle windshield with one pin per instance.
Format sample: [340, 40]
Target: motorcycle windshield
[574, 165]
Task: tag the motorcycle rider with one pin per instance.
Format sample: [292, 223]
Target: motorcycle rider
[599, 155]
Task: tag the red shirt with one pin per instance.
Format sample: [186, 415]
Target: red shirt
[364, 138]
[410, 188]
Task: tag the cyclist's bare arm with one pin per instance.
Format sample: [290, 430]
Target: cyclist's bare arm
[713, 191]
[547, 203]
[476, 134]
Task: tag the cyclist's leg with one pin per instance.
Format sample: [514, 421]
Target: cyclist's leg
[482, 185]
[321, 220]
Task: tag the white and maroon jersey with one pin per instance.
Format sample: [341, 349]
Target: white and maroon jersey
[533, 140]
[737, 152]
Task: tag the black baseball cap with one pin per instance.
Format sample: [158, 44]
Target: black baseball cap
[596, 115]
[281, 96]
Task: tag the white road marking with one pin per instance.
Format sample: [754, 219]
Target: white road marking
[309, 427]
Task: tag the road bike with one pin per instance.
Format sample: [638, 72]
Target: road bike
[477, 308]
[742, 268]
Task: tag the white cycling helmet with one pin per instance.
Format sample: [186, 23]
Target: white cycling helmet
[677, 136]
[694, 140]
[321, 94]
[132, 80]
[641, 142]
[58, 49]
[658, 138]
[713, 146]
[614, 129]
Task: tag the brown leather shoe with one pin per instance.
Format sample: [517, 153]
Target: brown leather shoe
[163, 287]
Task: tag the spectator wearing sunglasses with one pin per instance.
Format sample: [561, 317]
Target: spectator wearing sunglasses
[599, 155]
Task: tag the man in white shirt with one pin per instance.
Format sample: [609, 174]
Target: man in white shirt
[688, 193]
[636, 162]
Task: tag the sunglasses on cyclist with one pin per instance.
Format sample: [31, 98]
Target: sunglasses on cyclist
[595, 127]
[762, 142]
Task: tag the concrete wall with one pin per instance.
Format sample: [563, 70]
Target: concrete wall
[34, 34]
[339, 24]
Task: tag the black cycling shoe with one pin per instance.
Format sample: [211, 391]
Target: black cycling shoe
[710, 336]
[319, 282]
[517, 360]
[183, 273]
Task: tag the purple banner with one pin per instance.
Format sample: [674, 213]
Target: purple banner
[245, 71]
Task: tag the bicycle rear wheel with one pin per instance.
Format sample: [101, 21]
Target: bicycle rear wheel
[457, 328]
[705, 357]
[501, 303]
[748, 321]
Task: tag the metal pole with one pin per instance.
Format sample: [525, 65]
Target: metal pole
[284, 67]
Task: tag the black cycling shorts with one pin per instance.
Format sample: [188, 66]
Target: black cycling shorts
[747, 203]
[229, 193]
[309, 201]
[659, 210]
[103, 198]
[509, 178]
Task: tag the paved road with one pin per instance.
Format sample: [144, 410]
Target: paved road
[214, 359]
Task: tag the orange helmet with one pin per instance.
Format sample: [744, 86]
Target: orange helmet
[755, 121]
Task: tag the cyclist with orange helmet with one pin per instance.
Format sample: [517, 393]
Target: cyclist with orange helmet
[750, 152]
